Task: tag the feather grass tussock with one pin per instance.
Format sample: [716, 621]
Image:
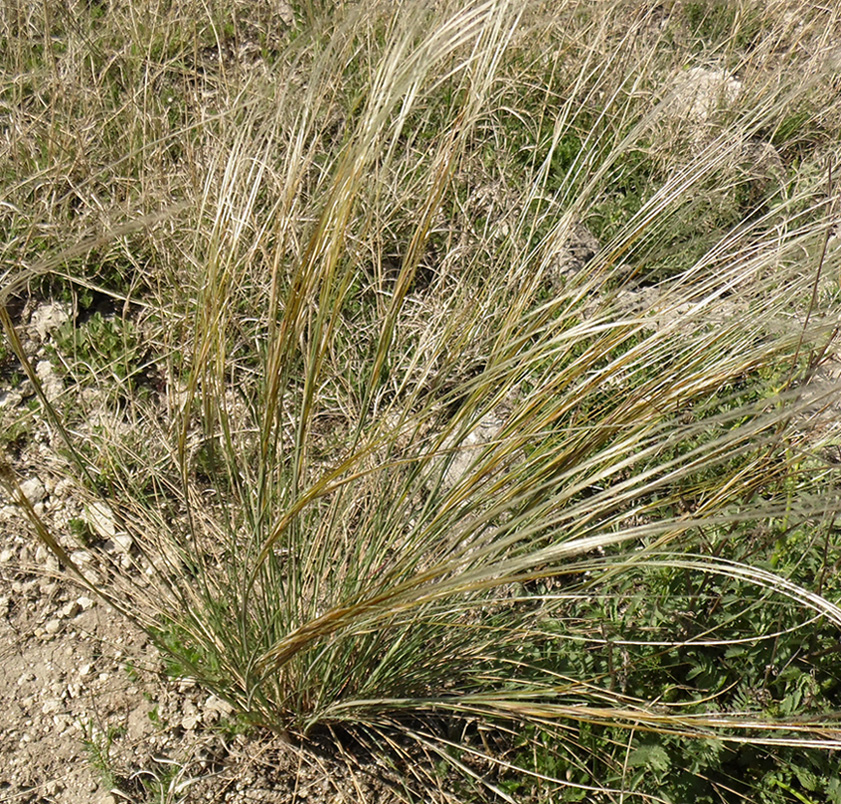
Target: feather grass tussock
[400, 468]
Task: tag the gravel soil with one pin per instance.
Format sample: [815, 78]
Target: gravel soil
[87, 713]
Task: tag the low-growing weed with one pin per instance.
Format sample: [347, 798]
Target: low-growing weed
[101, 343]
[98, 747]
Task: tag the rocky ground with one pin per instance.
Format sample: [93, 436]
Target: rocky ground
[87, 713]
[88, 717]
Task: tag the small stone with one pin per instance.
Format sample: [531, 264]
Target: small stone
[700, 91]
[10, 399]
[47, 318]
[92, 577]
[33, 489]
[51, 383]
[101, 518]
[81, 556]
[122, 543]
[579, 248]
[51, 564]
[6, 556]
[51, 705]
[85, 602]
[483, 433]
[61, 722]
[215, 704]
[139, 724]
[190, 722]
[52, 626]
[70, 609]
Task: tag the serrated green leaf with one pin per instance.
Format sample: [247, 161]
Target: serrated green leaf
[651, 756]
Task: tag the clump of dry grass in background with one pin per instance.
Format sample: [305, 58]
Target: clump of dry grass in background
[387, 461]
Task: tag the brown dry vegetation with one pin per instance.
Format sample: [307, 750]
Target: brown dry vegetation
[447, 391]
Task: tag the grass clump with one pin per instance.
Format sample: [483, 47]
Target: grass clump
[398, 477]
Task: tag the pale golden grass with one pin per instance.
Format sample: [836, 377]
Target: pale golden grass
[332, 327]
